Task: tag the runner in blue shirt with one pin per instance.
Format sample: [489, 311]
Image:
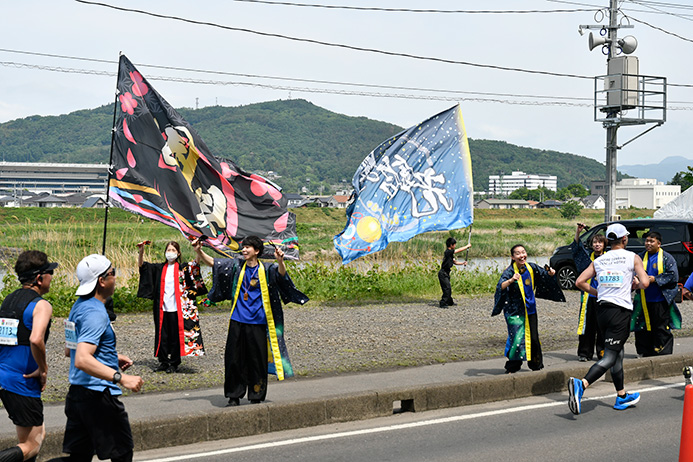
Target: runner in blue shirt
[24, 323]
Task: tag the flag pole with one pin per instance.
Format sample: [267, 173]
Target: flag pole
[469, 241]
[110, 161]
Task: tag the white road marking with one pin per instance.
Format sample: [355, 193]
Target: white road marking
[390, 428]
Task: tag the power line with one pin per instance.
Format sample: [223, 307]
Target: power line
[257, 76]
[408, 10]
[291, 79]
[657, 10]
[660, 29]
[338, 45]
[601, 7]
[455, 97]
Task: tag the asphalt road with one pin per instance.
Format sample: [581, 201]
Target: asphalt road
[531, 429]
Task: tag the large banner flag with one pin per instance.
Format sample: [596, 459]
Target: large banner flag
[163, 170]
[417, 181]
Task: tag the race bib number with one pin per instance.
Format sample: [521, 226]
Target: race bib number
[611, 279]
[70, 335]
[8, 331]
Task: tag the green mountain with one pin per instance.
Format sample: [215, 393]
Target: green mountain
[301, 142]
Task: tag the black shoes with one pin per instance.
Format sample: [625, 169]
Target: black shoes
[233, 402]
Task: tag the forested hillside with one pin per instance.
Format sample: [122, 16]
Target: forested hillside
[294, 138]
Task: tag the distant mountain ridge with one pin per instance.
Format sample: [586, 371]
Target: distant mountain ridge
[663, 171]
[304, 144]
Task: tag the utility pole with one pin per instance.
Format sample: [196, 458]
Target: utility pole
[611, 130]
[625, 96]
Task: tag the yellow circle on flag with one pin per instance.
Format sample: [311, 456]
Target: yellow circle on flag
[368, 229]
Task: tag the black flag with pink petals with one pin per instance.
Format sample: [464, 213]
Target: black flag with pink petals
[163, 170]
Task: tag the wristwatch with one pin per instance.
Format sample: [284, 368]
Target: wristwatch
[117, 376]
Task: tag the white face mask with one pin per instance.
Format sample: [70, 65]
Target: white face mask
[171, 256]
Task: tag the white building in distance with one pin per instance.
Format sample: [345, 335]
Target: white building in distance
[53, 178]
[644, 193]
[505, 184]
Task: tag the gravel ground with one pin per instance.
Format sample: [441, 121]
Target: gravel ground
[329, 339]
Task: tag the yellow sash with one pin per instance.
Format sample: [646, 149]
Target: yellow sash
[272, 344]
[660, 270]
[583, 307]
[528, 336]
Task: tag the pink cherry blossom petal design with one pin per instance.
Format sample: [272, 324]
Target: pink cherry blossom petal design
[274, 192]
[128, 103]
[137, 198]
[131, 159]
[120, 173]
[127, 132]
[281, 222]
[226, 171]
[258, 188]
[163, 164]
[139, 88]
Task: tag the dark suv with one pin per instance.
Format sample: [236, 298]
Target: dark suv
[676, 239]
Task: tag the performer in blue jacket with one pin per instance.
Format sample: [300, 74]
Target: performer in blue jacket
[654, 311]
[257, 321]
[516, 293]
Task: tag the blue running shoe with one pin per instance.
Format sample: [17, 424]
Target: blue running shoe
[623, 402]
[576, 389]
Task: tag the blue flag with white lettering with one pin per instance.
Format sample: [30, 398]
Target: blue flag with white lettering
[417, 181]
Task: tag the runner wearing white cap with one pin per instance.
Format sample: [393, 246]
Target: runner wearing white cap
[618, 271]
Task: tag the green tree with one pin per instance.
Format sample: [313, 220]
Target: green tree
[683, 179]
[520, 194]
[570, 210]
[577, 190]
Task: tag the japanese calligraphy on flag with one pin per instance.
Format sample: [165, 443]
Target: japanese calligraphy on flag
[164, 171]
[417, 181]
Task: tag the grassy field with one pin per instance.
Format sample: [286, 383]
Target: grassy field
[403, 271]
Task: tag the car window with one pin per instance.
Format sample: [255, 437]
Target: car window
[635, 238]
[587, 236]
[672, 233]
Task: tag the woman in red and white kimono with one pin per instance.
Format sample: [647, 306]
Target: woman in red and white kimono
[173, 288]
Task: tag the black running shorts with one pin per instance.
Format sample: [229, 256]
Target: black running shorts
[614, 321]
[24, 411]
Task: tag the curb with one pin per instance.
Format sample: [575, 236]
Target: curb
[154, 432]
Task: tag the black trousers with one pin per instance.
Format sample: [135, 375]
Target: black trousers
[245, 361]
[537, 361]
[444, 278]
[169, 348]
[659, 340]
[592, 338]
[96, 424]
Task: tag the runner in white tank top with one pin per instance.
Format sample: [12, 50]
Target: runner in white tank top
[615, 276]
[616, 271]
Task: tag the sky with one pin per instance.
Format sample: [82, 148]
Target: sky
[59, 56]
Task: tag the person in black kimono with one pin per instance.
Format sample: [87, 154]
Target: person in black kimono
[589, 335]
[445, 267]
[516, 293]
[173, 287]
[255, 341]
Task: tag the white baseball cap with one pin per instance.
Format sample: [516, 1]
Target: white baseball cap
[616, 231]
[88, 272]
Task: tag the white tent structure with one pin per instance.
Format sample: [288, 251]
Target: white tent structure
[680, 208]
